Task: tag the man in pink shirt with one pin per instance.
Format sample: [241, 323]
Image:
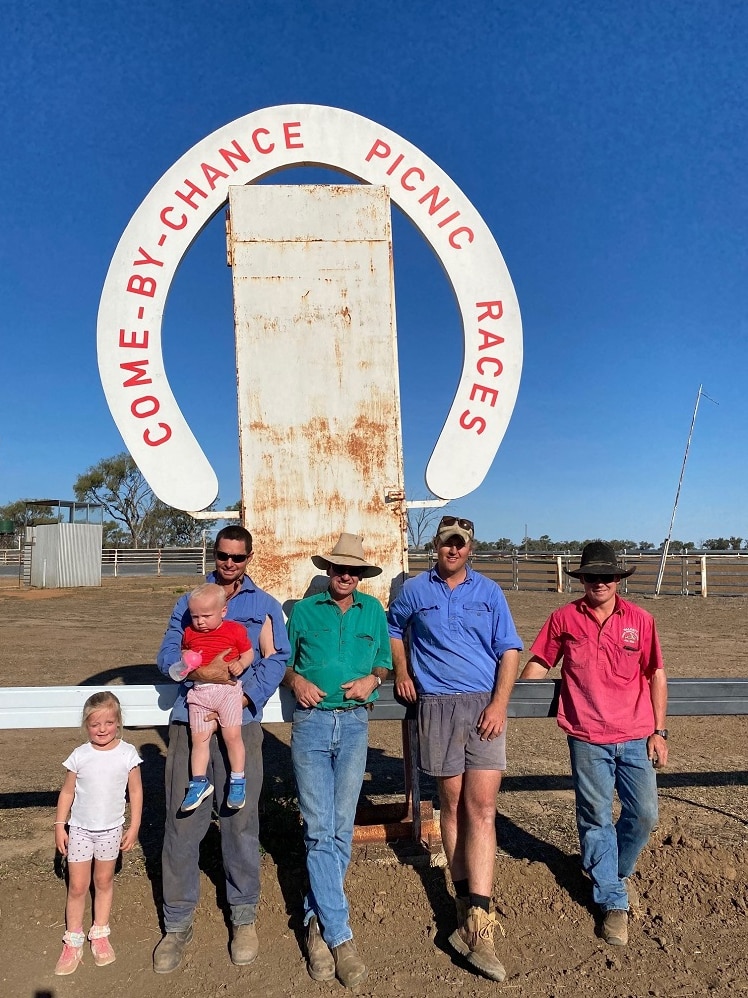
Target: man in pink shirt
[612, 706]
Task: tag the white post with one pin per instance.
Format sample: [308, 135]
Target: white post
[704, 591]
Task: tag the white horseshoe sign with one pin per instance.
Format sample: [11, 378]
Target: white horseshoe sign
[196, 187]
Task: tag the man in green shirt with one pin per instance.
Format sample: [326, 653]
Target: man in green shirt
[340, 653]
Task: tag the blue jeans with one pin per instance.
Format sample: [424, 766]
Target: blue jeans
[184, 831]
[610, 852]
[328, 749]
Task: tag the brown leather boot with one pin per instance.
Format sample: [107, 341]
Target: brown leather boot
[168, 954]
[244, 944]
[320, 962]
[616, 927]
[350, 969]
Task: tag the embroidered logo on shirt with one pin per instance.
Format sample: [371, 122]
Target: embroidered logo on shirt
[630, 638]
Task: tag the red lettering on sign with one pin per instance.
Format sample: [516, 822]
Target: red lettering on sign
[146, 259]
[164, 216]
[489, 339]
[287, 126]
[406, 176]
[193, 192]
[453, 236]
[477, 423]
[229, 157]
[152, 441]
[395, 165]
[484, 393]
[152, 406]
[211, 173]
[494, 310]
[138, 285]
[134, 339]
[256, 141]
[138, 373]
[433, 194]
[481, 365]
[458, 237]
[381, 150]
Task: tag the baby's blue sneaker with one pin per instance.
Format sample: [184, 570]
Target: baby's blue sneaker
[197, 791]
[237, 791]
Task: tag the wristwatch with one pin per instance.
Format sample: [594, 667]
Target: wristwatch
[662, 732]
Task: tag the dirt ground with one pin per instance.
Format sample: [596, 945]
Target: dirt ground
[690, 938]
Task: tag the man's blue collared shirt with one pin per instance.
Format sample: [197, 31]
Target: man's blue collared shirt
[456, 635]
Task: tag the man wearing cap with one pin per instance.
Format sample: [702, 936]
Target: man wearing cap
[464, 658]
[612, 706]
[339, 656]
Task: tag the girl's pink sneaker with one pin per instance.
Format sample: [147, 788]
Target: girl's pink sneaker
[72, 953]
[101, 948]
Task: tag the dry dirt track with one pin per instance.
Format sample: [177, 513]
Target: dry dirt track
[690, 940]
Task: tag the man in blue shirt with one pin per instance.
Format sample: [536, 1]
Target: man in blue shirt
[262, 616]
[464, 658]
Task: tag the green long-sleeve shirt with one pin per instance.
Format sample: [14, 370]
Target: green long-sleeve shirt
[330, 648]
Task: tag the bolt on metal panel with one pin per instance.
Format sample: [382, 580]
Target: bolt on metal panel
[319, 406]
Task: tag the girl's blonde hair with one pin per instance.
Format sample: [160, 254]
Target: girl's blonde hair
[102, 701]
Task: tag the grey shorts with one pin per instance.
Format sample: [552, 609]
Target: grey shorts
[448, 735]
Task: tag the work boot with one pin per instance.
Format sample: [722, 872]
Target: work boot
[244, 944]
[474, 941]
[320, 961]
[616, 927]
[633, 895]
[350, 969]
[168, 954]
[461, 909]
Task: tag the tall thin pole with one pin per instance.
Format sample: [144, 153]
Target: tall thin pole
[666, 545]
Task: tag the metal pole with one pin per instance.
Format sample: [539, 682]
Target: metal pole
[666, 545]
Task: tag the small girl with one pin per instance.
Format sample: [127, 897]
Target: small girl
[93, 795]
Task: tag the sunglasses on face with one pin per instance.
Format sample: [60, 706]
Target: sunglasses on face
[345, 570]
[236, 558]
[450, 521]
[592, 580]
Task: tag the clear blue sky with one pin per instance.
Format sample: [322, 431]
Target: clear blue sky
[605, 145]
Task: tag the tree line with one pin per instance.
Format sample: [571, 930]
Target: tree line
[137, 519]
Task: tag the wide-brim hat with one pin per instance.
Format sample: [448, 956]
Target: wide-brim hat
[599, 558]
[349, 551]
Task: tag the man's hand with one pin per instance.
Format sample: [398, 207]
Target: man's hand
[216, 671]
[359, 689]
[657, 751]
[307, 694]
[491, 722]
[405, 689]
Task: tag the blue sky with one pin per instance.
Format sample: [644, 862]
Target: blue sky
[604, 145]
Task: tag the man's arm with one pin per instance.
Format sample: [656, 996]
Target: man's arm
[405, 688]
[657, 749]
[493, 719]
[535, 668]
[262, 680]
[171, 645]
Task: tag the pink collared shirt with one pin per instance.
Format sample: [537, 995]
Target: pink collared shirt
[605, 672]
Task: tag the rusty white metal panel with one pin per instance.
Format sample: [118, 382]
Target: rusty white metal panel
[66, 555]
[319, 407]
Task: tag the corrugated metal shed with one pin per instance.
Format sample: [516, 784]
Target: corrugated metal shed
[65, 555]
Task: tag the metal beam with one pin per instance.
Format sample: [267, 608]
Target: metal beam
[148, 706]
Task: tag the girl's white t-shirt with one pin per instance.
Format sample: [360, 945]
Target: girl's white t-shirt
[100, 784]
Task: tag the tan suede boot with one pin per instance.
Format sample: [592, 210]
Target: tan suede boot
[349, 967]
[474, 941]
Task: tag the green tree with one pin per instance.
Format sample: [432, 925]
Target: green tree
[735, 543]
[138, 518]
[22, 516]
[716, 544]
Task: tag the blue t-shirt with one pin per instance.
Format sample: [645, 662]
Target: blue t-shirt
[456, 635]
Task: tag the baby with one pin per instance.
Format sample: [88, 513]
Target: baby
[209, 635]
